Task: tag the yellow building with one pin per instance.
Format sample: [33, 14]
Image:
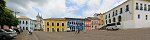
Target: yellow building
[55, 24]
[101, 20]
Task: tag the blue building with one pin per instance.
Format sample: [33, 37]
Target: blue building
[74, 24]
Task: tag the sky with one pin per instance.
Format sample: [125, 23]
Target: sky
[61, 8]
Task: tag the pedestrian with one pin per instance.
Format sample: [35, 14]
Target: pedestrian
[30, 31]
[78, 31]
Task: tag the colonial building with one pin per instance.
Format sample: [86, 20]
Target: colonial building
[101, 20]
[130, 14]
[95, 24]
[39, 22]
[87, 24]
[74, 24]
[55, 24]
[26, 23]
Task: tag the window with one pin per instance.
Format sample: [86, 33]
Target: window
[113, 14]
[26, 28]
[47, 23]
[146, 17]
[114, 20]
[26, 22]
[119, 18]
[47, 29]
[53, 30]
[71, 22]
[120, 10]
[62, 29]
[137, 7]
[148, 7]
[106, 17]
[106, 21]
[23, 22]
[138, 16]
[52, 24]
[116, 12]
[68, 23]
[141, 7]
[62, 24]
[57, 24]
[57, 29]
[127, 8]
[19, 22]
[74, 23]
[145, 7]
[109, 20]
[109, 15]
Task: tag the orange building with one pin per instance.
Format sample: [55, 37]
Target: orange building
[87, 24]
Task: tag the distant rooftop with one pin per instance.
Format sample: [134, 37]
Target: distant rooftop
[23, 17]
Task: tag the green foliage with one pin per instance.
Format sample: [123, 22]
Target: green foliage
[6, 15]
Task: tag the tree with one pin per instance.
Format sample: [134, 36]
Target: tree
[6, 15]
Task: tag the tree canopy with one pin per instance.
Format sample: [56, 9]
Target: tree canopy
[6, 15]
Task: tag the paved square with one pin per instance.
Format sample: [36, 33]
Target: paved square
[131, 34]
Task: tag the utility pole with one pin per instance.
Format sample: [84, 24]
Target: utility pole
[16, 12]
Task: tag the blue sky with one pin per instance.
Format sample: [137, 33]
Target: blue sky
[61, 8]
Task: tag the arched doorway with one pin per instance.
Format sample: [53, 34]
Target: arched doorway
[114, 19]
[57, 29]
[119, 18]
[62, 29]
[23, 28]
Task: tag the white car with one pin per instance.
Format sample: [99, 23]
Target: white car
[68, 29]
[112, 28]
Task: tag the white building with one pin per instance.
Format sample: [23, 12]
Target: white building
[26, 23]
[130, 14]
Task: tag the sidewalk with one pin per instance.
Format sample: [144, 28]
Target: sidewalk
[25, 36]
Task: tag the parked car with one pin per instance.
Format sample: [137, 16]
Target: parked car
[68, 29]
[11, 32]
[4, 35]
[112, 28]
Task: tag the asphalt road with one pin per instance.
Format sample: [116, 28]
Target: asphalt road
[131, 34]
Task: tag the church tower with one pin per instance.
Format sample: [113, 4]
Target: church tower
[39, 22]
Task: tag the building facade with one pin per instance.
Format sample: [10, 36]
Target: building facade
[39, 23]
[26, 23]
[74, 24]
[87, 24]
[101, 20]
[95, 23]
[128, 15]
[55, 25]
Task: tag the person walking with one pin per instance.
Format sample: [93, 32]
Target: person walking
[78, 31]
[30, 31]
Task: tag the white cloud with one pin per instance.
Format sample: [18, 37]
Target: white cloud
[100, 6]
[79, 2]
[47, 8]
[93, 7]
[58, 8]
